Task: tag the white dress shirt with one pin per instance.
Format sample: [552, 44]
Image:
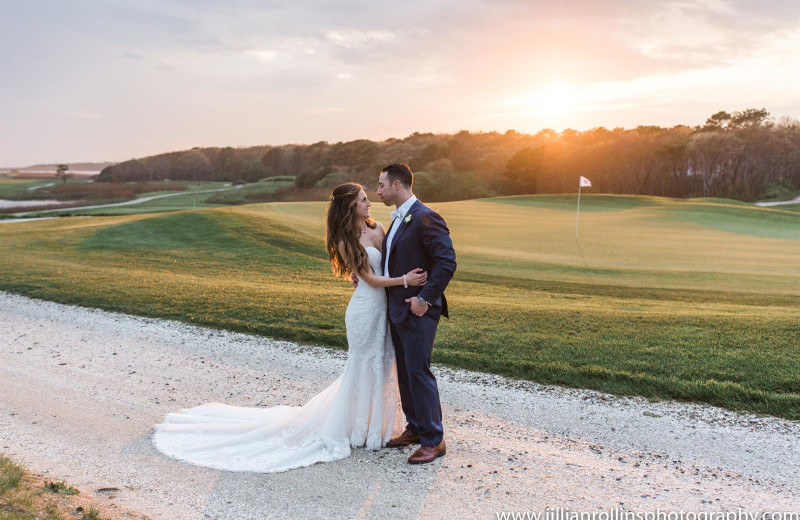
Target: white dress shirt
[399, 213]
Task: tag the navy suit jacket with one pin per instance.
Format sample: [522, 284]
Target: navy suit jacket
[423, 242]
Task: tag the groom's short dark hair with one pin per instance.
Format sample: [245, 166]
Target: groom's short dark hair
[399, 172]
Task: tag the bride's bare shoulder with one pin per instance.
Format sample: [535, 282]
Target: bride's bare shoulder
[377, 235]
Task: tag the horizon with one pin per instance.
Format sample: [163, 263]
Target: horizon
[138, 79]
[243, 146]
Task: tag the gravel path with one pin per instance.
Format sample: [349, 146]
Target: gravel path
[34, 188]
[5, 204]
[795, 200]
[81, 389]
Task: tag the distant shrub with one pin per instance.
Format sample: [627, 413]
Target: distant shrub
[149, 187]
[76, 204]
[278, 178]
[90, 190]
[109, 190]
[289, 194]
[778, 191]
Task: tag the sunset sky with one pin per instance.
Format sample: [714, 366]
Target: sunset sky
[111, 80]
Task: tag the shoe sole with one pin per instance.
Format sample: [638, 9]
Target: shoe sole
[402, 445]
[427, 461]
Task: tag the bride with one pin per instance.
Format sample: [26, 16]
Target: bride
[360, 408]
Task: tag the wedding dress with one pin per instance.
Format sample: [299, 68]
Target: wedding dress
[360, 408]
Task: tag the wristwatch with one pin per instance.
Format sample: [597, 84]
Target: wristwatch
[423, 302]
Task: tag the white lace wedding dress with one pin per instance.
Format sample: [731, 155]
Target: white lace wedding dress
[360, 408]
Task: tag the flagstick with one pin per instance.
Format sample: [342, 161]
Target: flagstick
[577, 218]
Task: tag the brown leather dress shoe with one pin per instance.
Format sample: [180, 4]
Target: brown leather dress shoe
[405, 439]
[427, 454]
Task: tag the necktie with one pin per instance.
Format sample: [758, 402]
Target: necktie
[396, 213]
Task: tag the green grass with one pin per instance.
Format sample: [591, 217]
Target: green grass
[180, 202]
[11, 475]
[239, 195]
[62, 488]
[750, 220]
[13, 189]
[22, 499]
[183, 200]
[569, 202]
[92, 514]
[691, 300]
[790, 207]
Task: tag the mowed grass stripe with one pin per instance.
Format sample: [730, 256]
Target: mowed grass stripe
[262, 269]
[648, 245]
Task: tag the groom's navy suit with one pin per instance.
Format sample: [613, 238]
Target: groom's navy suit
[423, 241]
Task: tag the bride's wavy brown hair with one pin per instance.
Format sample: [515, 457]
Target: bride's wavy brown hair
[342, 228]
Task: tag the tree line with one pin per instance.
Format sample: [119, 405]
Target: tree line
[743, 155]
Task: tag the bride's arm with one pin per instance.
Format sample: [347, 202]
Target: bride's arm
[413, 278]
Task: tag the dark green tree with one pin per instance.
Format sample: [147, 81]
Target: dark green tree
[226, 160]
[524, 168]
[718, 121]
[61, 172]
[749, 118]
[272, 162]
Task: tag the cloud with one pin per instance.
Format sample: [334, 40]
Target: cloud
[163, 66]
[262, 55]
[351, 39]
[132, 56]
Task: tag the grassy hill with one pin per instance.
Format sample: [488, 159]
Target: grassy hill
[193, 195]
[694, 300]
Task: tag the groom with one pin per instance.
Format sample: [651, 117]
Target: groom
[417, 237]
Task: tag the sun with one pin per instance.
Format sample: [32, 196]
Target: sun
[549, 101]
[553, 101]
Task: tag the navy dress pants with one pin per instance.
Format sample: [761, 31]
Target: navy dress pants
[419, 393]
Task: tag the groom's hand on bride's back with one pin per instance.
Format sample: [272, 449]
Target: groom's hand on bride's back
[354, 277]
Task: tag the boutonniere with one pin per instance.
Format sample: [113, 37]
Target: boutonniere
[408, 218]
